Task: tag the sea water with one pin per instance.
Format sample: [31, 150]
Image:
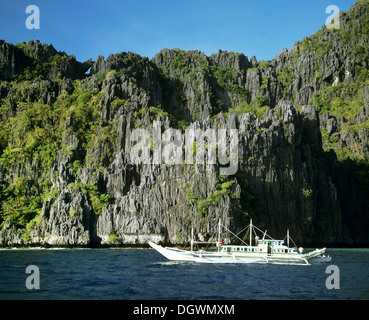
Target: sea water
[143, 274]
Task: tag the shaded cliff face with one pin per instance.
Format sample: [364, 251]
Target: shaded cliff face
[67, 172]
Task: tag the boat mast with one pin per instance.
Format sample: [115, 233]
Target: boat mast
[265, 232]
[250, 232]
[192, 238]
[219, 231]
[288, 238]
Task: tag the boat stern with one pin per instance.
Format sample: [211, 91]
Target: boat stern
[314, 254]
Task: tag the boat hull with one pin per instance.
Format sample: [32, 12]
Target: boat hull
[175, 254]
[322, 259]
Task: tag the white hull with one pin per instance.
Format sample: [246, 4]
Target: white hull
[175, 254]
[322, 259]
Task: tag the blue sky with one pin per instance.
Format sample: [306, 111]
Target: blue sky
[95, 27]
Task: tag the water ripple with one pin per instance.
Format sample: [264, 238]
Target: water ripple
[144, 274]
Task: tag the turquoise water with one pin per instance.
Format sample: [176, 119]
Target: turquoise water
[122, 274]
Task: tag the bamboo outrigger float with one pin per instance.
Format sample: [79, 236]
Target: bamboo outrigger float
[266, 250]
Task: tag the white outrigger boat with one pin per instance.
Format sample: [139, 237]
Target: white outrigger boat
[264, 251]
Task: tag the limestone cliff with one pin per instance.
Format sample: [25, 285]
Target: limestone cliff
[68, 178]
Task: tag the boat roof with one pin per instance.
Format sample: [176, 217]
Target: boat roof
[265, 240]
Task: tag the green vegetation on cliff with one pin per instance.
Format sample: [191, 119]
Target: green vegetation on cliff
[62, 129]
[34, 133]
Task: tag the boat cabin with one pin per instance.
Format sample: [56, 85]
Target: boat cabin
[264, 246]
